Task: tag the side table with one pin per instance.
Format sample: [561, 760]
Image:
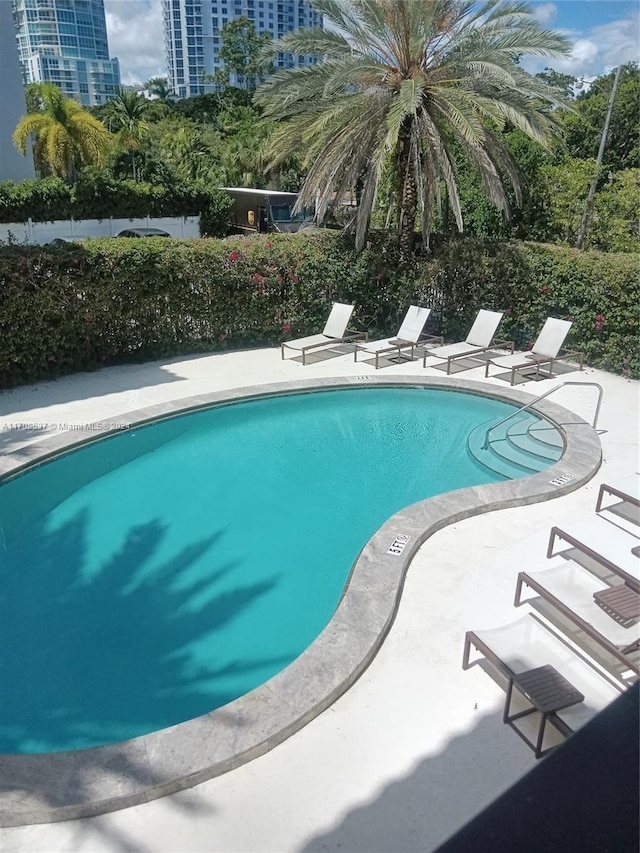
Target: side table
[621, 602]
[548, 692]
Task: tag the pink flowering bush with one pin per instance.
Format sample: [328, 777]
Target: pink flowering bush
[110, 301]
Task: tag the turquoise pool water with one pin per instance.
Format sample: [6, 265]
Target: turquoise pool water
[154, 576]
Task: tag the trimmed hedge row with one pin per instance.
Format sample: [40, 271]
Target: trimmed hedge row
[113, 301]
[99, 196]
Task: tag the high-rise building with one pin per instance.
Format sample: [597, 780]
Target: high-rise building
[193, 35]
[65, 42]
[13, 166]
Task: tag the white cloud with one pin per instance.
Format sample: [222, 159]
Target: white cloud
[545, 13]
[136, 38]
[134, 29]
[594, 51]
[582, 57]
[618, 41]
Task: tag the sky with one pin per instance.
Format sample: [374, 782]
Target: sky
[604, 33]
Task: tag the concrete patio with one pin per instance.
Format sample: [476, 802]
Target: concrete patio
[417, 746]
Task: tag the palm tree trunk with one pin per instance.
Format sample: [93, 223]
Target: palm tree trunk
[408, 196]
[133, 163]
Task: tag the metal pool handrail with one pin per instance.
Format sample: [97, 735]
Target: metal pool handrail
[485, 445]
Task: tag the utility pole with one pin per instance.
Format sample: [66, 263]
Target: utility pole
[582, 233]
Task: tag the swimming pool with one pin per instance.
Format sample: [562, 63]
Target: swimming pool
[154, 576]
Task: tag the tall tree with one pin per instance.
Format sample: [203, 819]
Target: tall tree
[125, 116]
[583, 126]
[566, 82]
[158, 87]
[65, 136]
[242, 52]
[403, 79]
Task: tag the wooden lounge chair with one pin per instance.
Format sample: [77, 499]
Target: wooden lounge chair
[545, 351]
[334, 332]
[572, 590]
[604, 542]
[408, 337]
[479, 340]
[528, 644]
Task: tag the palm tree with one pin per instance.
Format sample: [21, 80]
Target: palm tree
[64, 134]
[406, 83]
[125, 115]
[158, 86]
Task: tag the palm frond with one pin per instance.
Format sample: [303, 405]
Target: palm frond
[399, 78]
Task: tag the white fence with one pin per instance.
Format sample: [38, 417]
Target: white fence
[72, 229]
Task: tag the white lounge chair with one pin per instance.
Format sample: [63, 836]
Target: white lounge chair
[575, 592]
[605, 543]
[627, 491]
[334, 332]
[527, 644]
[545, 350]
[619, 502]
[407, 338]
[479, 340]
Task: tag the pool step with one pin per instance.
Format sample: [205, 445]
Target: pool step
[523, 445]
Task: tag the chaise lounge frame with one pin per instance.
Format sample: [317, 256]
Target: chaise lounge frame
[472, 639]
[472, 349]
[573, 540]
[620, 653]
[546, 350]
[325, 339]
[562, 726]
[402, 342]
[616, 492]
[532, 361]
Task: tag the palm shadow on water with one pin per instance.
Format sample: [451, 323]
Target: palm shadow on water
[124, 664]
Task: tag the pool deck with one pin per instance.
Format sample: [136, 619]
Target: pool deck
[417, 746]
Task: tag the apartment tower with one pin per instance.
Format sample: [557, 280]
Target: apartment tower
[193, 35]
[13, 166]
[65, 42]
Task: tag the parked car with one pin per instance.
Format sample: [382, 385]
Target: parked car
[65, 241]
[143, 232]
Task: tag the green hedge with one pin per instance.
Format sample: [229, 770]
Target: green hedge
[96, 195]
[109, 301]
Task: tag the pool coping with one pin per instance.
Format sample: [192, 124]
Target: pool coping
[45, 788]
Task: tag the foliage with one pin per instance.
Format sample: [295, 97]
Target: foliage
[564, 82]
[565, 188]
[555, 183]
[158, 87]
[125, 116]
[614, 224]
[111, 301]
[215, 214]
[405, 79]
[41, 199]
[96, 195]
[65, 136]
[242, 52]
[583, 127]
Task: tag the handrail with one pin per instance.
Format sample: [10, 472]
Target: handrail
[485, 446]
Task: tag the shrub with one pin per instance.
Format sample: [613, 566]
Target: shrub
[97, 195]
[110, 301]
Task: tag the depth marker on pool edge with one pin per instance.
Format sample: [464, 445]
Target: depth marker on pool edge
[398, 544]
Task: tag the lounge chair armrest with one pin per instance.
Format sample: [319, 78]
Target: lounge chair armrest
[510, 345]
[605, 488]
[564, 354]
[430, 339]
[355, 335]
